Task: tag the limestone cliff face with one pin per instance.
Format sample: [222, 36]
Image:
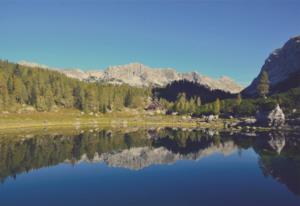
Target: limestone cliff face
[282, 65]
[136, 74]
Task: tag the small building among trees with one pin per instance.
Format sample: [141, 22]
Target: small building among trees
[156, 106]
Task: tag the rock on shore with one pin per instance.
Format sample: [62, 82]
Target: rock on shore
[273, 118]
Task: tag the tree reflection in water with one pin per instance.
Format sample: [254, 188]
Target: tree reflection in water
[279, 153]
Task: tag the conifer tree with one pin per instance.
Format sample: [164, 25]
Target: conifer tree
[34, 95]
[10, 85]
[4, 97]
[238, 99]
[17, 71]
[17, 90]
[192, 106]
[263, 84]
[79, 97]
[181, 103]
[128, 99]
[91, 103]
[48, 96]
[217, 106]
[198, 102]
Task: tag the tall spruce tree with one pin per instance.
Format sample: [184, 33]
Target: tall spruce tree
[198, 102]
[263, 84]
[217, 107]
[128, 99]
[79, 97]
[4, 97]
[238, 99]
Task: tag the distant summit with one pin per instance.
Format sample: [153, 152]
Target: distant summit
[137, 74]
[283, 68]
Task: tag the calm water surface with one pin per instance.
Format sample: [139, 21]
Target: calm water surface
[149, 167]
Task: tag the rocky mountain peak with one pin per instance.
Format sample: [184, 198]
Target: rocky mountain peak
[137, 74]
[281, 65]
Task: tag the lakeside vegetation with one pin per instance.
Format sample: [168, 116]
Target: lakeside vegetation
[36, 97]
[233, 105]
[77, 119]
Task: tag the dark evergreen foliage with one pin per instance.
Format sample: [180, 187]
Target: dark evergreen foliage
[45, 89]
[191, 90]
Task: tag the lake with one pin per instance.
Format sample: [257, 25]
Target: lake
[136, 166]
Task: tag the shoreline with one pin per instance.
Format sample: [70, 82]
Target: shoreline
[74, 119]
[77, 120]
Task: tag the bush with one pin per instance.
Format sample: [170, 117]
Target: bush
[246, 108]
[268, 105]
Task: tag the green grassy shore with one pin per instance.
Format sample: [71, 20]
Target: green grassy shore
[76, 119]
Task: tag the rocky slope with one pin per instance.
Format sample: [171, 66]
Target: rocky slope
[136, 74]
[283, 67]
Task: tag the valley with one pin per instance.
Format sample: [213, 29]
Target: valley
[33, 95]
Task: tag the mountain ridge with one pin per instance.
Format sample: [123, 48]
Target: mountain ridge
[137, 74]
[283, 68]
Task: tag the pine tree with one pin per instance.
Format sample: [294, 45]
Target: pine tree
[181, 105]
[79, 99]
[18, 90]
[41, 104]
[198, 102]
[103, 109]
[34, 95]
[91, 103]
[4, 97]
[10, 85]
[263, 84]
[17, 71]
[216, 107]
[48, 96]
[192, 106]
[128, 99]
[239, 99]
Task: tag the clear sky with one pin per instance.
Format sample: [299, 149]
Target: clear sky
[215, 38]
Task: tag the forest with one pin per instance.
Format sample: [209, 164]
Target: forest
[47, 89]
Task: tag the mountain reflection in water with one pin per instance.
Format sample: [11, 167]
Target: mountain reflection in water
[279, 153]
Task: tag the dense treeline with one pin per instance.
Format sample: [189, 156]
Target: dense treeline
[190, 97]
[289, 102]
[183, 105]
[191, 90]
[46, 89]
[186, 97]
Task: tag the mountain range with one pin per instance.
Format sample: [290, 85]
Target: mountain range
[137, 74]
[282, 66]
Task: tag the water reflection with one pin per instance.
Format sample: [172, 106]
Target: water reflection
[279, 153]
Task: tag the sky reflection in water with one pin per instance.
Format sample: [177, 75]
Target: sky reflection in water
[150, 167]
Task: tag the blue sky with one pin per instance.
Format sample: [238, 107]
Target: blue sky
[215, 38]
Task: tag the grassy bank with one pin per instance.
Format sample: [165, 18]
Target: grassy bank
[76, 119]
